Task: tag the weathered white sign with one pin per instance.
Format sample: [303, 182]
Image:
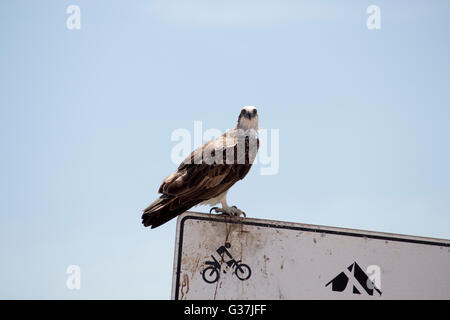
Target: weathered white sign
[219, 257]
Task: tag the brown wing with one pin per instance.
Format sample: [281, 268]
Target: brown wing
[204, 181]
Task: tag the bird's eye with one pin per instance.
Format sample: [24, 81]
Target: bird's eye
[254, 111]
[243, 111]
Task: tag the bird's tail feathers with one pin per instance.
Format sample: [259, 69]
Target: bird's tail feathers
[162, 210]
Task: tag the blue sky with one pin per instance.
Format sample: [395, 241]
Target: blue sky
[87, 115]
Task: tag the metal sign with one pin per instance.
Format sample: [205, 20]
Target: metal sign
[220, 257]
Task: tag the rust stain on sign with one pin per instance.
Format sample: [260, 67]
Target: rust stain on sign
[185, 286]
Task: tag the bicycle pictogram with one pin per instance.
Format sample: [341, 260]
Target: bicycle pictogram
[211, 273]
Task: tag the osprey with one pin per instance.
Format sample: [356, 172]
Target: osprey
[208, 173]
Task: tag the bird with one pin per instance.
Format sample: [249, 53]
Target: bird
[207, 174]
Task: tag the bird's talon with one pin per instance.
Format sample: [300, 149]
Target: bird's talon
[232, 211]
[213, 208]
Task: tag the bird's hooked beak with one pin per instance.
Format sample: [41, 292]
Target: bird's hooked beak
[249, 113]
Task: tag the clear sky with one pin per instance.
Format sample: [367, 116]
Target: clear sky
[87, 116]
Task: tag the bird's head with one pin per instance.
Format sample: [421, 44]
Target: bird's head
[248, 118]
